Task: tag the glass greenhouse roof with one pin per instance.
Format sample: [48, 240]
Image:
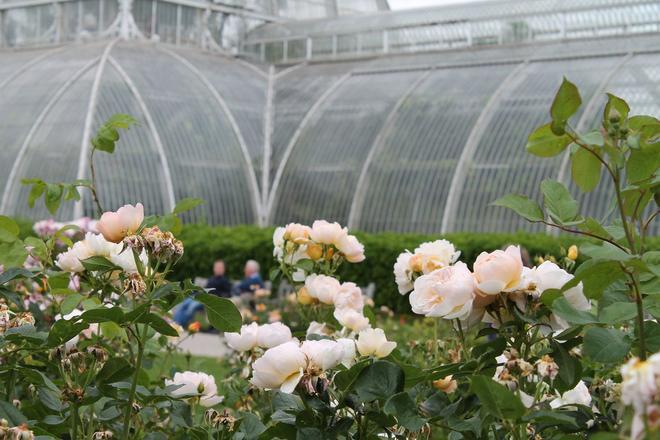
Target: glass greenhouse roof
[404, 142]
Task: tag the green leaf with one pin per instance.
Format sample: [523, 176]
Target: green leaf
[606, 345]
[104, 314]
[652, 336]
[36, 191]
[53, 197]
[10, 413]
[522, 205]
[70, 302]
[250, 426]
[14, 273]
[12, 254]
[8, 228]
[186, 205]
[585, 169]
[496, 399]
[566, 103]
[379, 381]
[99, 264]
[618, 312]
[551, 418]
[558, 202]
[605, 251]
[615, 107]
[107, 135]
[403, 407]
[39, 248]
[595, 276]
[345, 379]
[114, 370]
[544, 143]
[565, 310]
[159, 324]
[570, 368]
[222, 313]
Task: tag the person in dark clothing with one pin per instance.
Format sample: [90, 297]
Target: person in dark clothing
[252, 280]
[218, 283]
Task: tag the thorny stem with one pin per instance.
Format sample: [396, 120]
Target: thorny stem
[92, 187]
[131, 394]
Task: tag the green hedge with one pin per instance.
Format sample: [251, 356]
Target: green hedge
[203, 244]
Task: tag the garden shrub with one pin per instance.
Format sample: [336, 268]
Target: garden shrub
[238, 244]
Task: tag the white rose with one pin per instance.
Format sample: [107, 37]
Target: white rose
[640, 382]
[278, 243]
[349, 296]
[280, 368]
[403, 274]
[348, 359]
[436, 254]
[245, 340]
[193, 383]
[99, 246]
[550, 276]
[373, 342]
[351, 319]
[318, 328]
[327, 233]
[447, 293]
[126, 260]
[272, 335]
[69, 261]
[323, 354]
[498, 271]
[322, 287]
[352, 249]
[577, 396]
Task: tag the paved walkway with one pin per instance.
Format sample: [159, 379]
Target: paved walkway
[205, 344]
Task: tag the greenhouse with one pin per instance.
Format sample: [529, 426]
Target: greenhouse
[242, 104]
[330, 219]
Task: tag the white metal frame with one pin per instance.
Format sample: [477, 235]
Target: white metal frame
[294, 140]
[355, 213]
[168, 187]
[11, 184]
[478, 130]
[252, 178]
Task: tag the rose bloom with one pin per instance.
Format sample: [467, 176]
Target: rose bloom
[351, 319]
[498, 271]
[348, 359]
[373, 342]
[550, 276]
[403, 274]
[349, 296]
[436, 254]
[69, 261]
[446, 293]
[322, 287]
[641, 380]
[272, 335]
[577, 396]
[280, 368]
[245, 340]
[296, 233]
[323, 354]
[196, 384]
[318, 328]
[327, 233]
[126, 260]
[101, 247]
[446, 384]
[115, 226]
[352, 249]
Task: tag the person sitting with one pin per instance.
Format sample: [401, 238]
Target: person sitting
[252, 280]
[218, 284]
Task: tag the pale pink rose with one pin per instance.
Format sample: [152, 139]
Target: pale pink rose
[373, 342]
[280, 368]
[403, 273]
[498, 271]
[322, 287]
[436, 254]
[327, 233]
[116, 225]
[352, 249]
[351, 319]
[296, 233]
[446, 293]
[349, 296]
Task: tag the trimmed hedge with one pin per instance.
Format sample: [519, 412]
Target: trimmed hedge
[203, 244]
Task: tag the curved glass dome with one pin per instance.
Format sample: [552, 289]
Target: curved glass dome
[419, 142]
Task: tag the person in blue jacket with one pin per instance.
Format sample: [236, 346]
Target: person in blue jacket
[252, 280]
